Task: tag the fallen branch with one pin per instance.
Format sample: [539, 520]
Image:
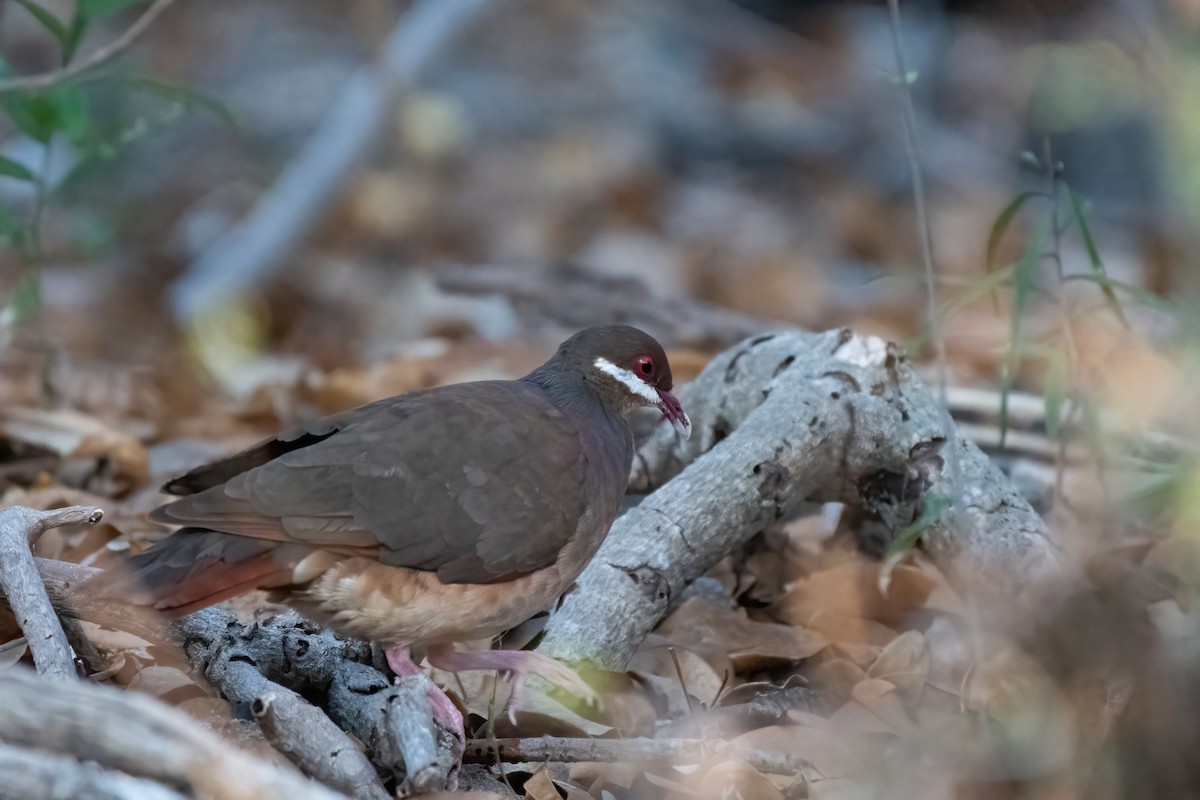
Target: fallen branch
[576, 298]
[140, 736]
[396, 724]
[20, 527]
[101, 56]
[780, 420]
[32, 775]
[299, 730]
[392, 720]
[632, 751]
[253, 250]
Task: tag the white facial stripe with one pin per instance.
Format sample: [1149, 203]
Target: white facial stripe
[630, 381]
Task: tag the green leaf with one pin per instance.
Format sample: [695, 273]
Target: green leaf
[1056, 381]
[76, 28]
[932, 508]
[1110, 297]
[1000, 226]
[185, 95]
[15, 169]
[105, 8]
[1030, 158]
[33, 115]
[48, 20]
[1136, 293]
[27, 297]
[71, 113]
[1024, 276]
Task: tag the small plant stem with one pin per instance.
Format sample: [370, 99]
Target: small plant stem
[45, 80]
[923, 230]
[1053, 173]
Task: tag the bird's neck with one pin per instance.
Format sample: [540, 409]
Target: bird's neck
[571, 392]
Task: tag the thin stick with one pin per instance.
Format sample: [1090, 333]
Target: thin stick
[103, 55]
[918, 184]
[632, 751]
[20, 527]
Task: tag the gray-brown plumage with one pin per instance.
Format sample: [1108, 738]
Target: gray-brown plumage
[428, 518]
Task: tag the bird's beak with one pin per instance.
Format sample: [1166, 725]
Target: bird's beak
[671, 409]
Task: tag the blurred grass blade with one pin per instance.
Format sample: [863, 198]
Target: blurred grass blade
[1093, 431]
[1136, 293]
[182, 94]
[932, 508]
[15, 169]
[33, 115]
[48, 21]
[998, 229]
[977, 290]
[1024, 277]
[1056, 380]
[75, 30]
[1110, 297]
[105, 8]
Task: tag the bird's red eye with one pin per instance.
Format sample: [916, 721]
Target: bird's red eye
[645, 365]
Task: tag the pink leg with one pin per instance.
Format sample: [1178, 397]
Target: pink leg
[444, 710]
[522, 663]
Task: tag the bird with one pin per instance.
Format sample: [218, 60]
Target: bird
[431, 518]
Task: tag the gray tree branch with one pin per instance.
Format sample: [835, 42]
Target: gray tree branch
[287, 211]
[20, 527]
[780, 420]
[134, 734]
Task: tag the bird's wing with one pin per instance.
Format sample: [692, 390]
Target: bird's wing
[480, 482]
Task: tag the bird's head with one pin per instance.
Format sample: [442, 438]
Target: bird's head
[627, 368]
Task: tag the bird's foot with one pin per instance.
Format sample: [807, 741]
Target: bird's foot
[522, 663]
[445, 713]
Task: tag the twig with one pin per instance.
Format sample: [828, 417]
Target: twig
[101, 56]
[290, 209]
[20, 527]
[138, 735]
[918, 185]
[632, 751]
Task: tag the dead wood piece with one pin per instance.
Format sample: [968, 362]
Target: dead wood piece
[33, 775]
[259, 245]
[140, 736]
[781, 419]
[299, 730]
[19, 528]
[632, 751]
[577, 298]
[393, 721]
[396, 724]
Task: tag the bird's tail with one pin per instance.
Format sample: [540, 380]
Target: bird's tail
[193, 568]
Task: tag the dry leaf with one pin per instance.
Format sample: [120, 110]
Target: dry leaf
[541, 787]
[736, 779]
[705, 627]
[831, 757]
[851, 591]
[12, 652]
[904, 662]
[881, 699]
[71, 434]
